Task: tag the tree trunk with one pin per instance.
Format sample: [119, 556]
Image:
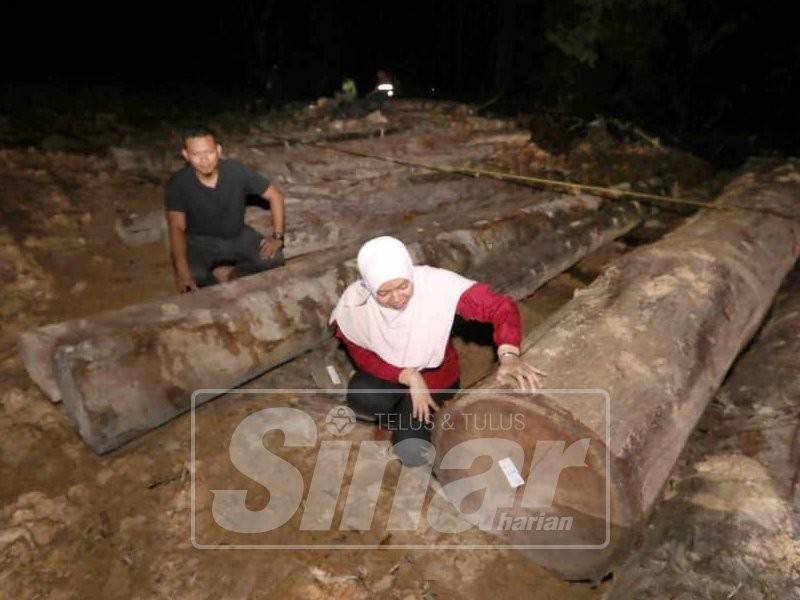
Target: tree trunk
[730, 521]
[656, 332]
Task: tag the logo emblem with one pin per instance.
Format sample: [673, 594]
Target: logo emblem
[340, 420]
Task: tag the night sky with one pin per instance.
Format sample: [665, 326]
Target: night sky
[693, 70]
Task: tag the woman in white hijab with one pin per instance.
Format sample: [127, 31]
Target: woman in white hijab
[395, 322]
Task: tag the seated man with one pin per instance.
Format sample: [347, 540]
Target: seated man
[205, 204]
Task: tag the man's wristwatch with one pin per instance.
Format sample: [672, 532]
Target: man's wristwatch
[278, 235]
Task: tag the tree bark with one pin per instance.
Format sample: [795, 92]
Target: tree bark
[657, 332]
[729, 522]
[123, 373]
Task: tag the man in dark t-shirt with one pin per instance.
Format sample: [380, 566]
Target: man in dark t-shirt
[205, 205]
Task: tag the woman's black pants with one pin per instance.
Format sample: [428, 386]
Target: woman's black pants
[389, 403]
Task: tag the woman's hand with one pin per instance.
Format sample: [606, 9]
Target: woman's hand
[516, 372]
[421, 400]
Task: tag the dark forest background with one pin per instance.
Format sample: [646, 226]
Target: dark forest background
[718, 77]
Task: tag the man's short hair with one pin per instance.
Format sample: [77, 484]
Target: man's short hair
[197, 131]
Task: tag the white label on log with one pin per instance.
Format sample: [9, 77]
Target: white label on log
[510, 471]
[333, 375]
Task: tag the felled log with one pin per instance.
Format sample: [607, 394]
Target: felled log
[657, 332]
[125, 372]
[728, 522]
[765, 385]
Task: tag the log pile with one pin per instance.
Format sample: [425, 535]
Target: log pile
[125, 372]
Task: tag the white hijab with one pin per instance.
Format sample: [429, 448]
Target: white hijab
[414, 337]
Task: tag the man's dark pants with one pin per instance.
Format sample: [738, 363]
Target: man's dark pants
[242, 252]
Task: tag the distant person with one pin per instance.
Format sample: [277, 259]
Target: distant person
[395, 323]
[346, 103]
[205, 204]
[349, 91]
[385, 82]
[385, 88]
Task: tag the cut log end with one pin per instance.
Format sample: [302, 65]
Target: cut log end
[572, 516]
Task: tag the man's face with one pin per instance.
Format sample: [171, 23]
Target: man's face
[395, 293]
[203, 154]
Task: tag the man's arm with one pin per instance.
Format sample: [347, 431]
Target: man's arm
[276, 200]
[176, 225]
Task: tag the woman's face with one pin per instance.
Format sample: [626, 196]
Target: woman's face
[395, 293]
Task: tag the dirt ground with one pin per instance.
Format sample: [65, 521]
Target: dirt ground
[77, 525]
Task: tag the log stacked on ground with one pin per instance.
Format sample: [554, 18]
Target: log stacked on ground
[657, 331]
[728, 525]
